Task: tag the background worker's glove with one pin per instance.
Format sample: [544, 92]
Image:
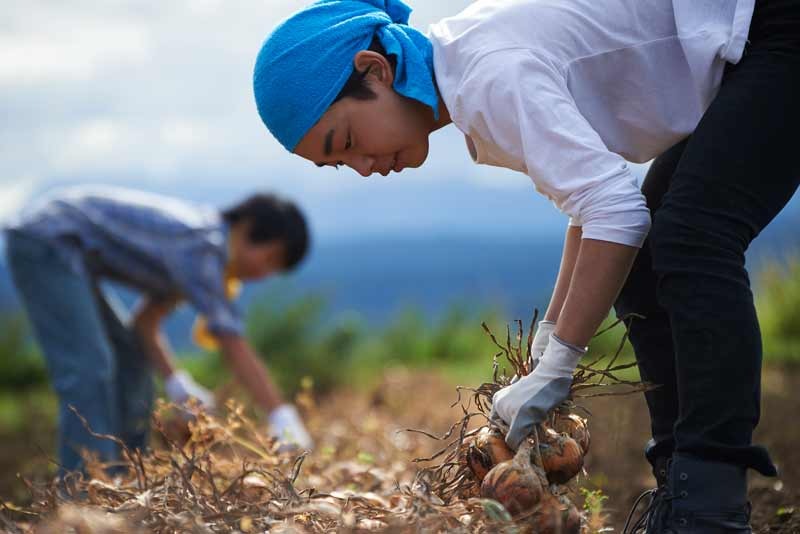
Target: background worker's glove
[526, 402]
[286, 425]
[180, 386]
[540, 340]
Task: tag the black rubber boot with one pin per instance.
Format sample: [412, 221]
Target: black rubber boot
[653, 519]
[707, 497]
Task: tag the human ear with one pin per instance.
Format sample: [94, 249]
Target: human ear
[376, 66]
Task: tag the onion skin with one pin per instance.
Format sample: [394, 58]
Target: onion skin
[547, 518]
[516, 484]
[472, 491]
[523, 489]
[521, 482]
[571, 518]
[575, 426]
[487, 450]
[479, 463]
[562, 457]
[509, 485]
[553, 515]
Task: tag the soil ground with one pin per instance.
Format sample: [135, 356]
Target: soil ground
[621, 427]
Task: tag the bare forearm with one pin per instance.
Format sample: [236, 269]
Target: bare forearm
[250, 372]
[147, 325]
[158, 353]
[600, 271]
[569, 256]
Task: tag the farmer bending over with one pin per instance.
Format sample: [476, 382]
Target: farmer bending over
[59, 251]
[566, 92]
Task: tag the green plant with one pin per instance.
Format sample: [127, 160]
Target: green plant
[292, 341]
[778, 305]
[295, 341]
[21, 366]
[594, 508]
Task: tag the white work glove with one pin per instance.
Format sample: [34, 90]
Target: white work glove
[526, 402]
[540, 340]
[180, 386]
[538, 345]
[286, 425]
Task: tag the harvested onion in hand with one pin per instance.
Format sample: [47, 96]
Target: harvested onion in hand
[516, 484]
[575, 427]
[521, 482]
[486, 451]
[562, 457]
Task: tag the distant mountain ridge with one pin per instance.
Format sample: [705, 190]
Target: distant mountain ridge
[377, 276]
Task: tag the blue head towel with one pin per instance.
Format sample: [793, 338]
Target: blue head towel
[305, 62]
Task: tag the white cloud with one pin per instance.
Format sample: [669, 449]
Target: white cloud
[14, 194]
[98, 136]
[69, 52]
[203, 7]
[92, 144]
[185, 134]
[113, 147]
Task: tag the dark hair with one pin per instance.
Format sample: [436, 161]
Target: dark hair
[356, 85]
[272, 217]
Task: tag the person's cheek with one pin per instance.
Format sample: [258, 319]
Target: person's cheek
[252, 268]
[418, 154]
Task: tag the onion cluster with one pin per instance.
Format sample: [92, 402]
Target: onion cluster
[523, 482]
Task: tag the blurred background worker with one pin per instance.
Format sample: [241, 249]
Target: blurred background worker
[100, 360]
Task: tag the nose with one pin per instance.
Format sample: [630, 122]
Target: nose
[363, 165]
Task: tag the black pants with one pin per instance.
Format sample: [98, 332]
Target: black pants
[710, 196]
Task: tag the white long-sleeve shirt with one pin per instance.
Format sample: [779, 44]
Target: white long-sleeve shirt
[568, 91]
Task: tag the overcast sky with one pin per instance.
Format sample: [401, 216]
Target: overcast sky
[158, 95]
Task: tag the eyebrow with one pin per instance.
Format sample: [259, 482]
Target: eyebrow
[328, 148]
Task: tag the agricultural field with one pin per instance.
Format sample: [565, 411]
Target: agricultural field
[362, 476]
[389, 404]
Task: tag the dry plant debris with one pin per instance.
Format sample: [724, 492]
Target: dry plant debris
[222, 474]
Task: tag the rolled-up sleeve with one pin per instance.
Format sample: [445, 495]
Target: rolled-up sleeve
[200, 273]
[519, 102]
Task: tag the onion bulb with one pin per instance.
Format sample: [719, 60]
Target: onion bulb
[562, 457]
[486, 451]
[516, 483]
[575, 427]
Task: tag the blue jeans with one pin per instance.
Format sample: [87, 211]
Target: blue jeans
[94, 359]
